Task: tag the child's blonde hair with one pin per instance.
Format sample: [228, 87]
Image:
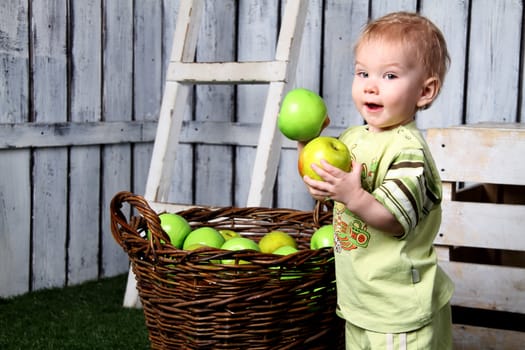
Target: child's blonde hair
[417, 34]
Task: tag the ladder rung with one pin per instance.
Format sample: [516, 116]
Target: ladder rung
[227, 72]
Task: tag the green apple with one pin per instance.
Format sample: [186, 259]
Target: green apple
[207, 236]
[285, 250]
[239, 243]
[323, 237]
[332, 150]
[176, 227]
[228, 234]
[274, 240]
[196, 246]
[302, 115]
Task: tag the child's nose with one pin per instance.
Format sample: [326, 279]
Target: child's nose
[371, 87]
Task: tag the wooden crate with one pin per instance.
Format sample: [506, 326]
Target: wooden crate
[481, 242]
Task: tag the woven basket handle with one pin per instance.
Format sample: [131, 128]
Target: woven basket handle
[319, 210]
[120, 225]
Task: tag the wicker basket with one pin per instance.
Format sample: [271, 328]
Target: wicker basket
[191, 301]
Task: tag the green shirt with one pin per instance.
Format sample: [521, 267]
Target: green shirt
[391, 284]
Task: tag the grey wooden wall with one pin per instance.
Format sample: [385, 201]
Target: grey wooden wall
[81, 85]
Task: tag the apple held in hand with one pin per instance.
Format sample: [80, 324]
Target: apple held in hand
[239, 243]
[204, 236]
[328, 148]
[176, 227]
[323, 237]
[302, 115]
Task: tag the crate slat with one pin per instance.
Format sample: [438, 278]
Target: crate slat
[482, 225]
[483, 153]
[487, 287]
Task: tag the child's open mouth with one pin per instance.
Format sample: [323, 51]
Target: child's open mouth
[373, 106]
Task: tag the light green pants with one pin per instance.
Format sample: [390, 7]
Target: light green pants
[437, 335]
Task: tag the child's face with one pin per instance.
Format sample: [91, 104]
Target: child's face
[388, 84]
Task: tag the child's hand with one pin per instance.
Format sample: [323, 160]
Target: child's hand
[346, 188]
[338, 185]
[326, 123]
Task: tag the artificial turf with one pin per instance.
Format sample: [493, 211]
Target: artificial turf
[87, 316]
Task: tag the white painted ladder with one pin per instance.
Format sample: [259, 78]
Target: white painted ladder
[183, 73]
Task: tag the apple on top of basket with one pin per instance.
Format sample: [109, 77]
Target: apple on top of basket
[229, 234]
[203, 236]
[302, 115]
[285, 250]
[175, 226]
[323, 237]
[239, 243]
[273, 240]
[330, 149]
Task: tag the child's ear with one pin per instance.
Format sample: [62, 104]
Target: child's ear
[429, 92]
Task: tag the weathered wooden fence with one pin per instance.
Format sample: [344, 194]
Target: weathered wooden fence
[80, 90]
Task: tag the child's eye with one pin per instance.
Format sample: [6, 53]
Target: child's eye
[362, 74]
[390, 76]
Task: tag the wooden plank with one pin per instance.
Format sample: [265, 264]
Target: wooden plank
[15, 165]
[147, 80]
[167, 138]
[50, 169]
[268, 152]
[482, 225]
[270, 139]
[214, 180]
[61, 134]
[292, 192]
[488, 287]
[494, 153]
[181, 185]
[117, 92]
[227, 72]
[347, 18]
[257, 36]
[382, 7]
[147, 97]
[160, 207]
[443, 252]
[452, 18]
[495, 97]
[84, 161]
[174, 94]
[467, 337]
[15, 213]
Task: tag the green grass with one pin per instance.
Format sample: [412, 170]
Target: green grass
[88, 316]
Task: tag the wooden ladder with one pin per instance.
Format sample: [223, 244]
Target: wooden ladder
[183, 73]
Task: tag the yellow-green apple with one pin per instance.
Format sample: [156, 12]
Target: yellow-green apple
[285, 250]
[176, 227]
[274, 240]
[228, 234]
[239, 243]
[207, 236]
[323, 237]
[302, 115]
[332, 150]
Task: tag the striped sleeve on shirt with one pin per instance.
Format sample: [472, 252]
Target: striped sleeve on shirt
[407, 190]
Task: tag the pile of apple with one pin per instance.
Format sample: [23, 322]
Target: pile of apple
[182, 236]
